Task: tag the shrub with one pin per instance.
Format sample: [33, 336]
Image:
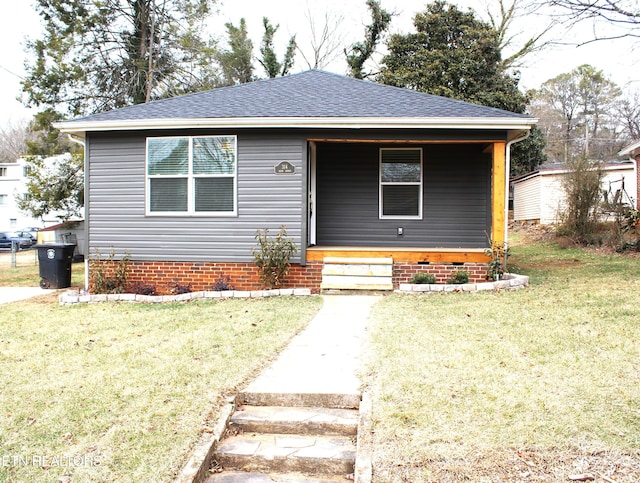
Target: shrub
[423, 278]
[142, 288]
[498, 257]
[222, 284]
[630, 228]
[272, 256]
[178, 288]
[582, 187]
[460, 276]
[106, 279]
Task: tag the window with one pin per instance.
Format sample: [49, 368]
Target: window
[3, 171]
[3, 199]
[194, 175]
[401, 183]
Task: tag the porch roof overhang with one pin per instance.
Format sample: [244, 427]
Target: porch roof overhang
[514, 127]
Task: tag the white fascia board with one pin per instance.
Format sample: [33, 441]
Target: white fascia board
[81, 127]
[630, 149]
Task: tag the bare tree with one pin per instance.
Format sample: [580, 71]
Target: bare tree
[13, 143]
[623, 15]
[628, 111]
[502, 20]
[327, 40]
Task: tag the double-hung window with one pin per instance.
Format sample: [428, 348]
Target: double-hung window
[193, 175]
[401, 183]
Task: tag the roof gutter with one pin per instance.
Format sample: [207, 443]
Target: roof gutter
[506, 193]
[80, 127]
[79, 141]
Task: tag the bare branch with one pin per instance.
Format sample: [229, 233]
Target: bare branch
[326, 38]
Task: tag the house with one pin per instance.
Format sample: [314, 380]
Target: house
[538, 196]
[13, 178]
[632, 151]
[355, 171]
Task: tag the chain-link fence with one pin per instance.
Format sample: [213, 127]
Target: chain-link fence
[18, 258]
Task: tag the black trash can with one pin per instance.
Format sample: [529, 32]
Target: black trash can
[55, 264]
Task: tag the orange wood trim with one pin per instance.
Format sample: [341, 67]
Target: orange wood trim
[411, 255]
[498, 195]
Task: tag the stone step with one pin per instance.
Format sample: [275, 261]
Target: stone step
[284, 453]
[255, 477]
[294, 420]
[342, 400]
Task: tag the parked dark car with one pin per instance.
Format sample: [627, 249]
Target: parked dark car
[8, 237]
[33, 230]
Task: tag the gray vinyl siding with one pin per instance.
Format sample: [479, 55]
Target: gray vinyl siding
[456, 198]
[265, 200]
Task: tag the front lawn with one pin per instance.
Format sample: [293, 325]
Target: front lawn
[121, 392]
[534, 385]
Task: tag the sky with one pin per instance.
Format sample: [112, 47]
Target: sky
[617, 59]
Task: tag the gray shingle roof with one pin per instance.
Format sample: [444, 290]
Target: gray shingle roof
[310, 94]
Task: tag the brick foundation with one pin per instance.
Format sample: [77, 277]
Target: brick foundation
[403, 272]
[202, 276]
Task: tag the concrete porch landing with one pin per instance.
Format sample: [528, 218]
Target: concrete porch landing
[319, 366]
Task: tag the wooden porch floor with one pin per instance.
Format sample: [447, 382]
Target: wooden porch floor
[404, 254]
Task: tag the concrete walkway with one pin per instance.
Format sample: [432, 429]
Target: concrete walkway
[323, 360]
[14, 294]
[300, 415]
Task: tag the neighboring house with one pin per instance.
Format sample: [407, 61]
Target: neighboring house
[632, 151]
[539, 196]
[72, 232]
[12, 185]
[353, 169]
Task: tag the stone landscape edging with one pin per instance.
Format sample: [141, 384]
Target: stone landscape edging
[74, 297]
[510, 281]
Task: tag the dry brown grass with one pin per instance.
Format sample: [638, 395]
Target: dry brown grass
[536, 385]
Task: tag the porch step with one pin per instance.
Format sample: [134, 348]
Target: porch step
[257, 477]
[284, 453]
[357, 274]
[295, 420]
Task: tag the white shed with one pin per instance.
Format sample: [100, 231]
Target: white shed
[538, 196]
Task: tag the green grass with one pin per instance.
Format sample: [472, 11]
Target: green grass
[492, 386]
[130, 386]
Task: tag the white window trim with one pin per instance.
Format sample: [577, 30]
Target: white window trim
[381, 216]
[190, 181]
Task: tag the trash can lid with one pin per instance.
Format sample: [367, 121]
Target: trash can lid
[53, 245]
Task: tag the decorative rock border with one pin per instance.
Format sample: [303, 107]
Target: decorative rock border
[74, 297]
[510, 281]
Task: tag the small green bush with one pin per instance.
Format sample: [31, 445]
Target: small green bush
[423, 278]
[461, 276]
[272, 256]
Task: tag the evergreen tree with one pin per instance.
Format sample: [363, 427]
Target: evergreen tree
[237, 61]
[99, 55]
[269, 60]
[360, 52]
[454, 54]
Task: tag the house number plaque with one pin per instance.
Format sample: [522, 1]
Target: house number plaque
[284, 167]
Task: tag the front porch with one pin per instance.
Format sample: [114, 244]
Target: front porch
[380, 268]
